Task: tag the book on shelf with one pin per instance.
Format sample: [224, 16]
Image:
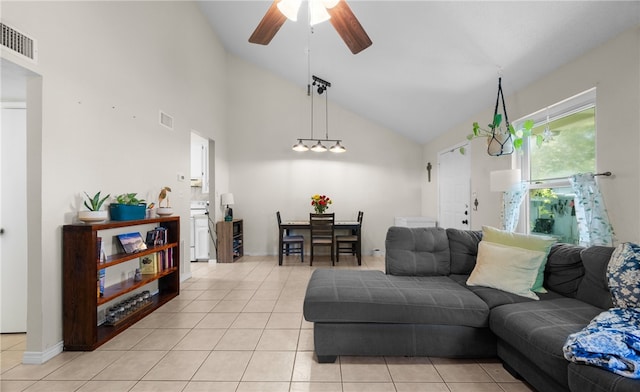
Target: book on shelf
[99, 250]
[102, 276]
[165, 259]
[131, 242]
[157, 236]
[148, 264]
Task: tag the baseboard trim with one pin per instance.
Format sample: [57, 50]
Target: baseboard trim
[185, 276]
[40, 357]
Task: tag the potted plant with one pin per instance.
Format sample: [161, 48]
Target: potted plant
[127, 207]
[167, 210]
[498, 138]
[94, 213]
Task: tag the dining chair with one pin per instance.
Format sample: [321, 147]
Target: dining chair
[288, 244]
[351, 244]
[322, 233]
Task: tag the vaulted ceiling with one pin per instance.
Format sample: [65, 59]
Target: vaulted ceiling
[432, 64]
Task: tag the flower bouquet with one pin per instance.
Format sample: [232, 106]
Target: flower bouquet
[320, 203]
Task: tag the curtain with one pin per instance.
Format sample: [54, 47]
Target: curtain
[593, 223]
[511, 201]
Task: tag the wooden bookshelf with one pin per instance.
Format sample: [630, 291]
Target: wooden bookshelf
[80, 271]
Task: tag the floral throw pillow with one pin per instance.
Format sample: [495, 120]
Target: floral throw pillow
[623, 275]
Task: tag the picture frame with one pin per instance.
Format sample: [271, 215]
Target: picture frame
[132, 242]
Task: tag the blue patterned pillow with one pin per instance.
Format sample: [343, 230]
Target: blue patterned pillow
[623, 274]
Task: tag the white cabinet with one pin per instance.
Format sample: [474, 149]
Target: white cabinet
[201, 238]
[415, 221]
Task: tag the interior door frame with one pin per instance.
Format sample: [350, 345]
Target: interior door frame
[467, 148]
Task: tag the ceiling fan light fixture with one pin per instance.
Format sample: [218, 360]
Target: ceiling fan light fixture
[300, 146]
[330, 3]
[317, 12]
[337, 148]
[290, 8]
[319, 147]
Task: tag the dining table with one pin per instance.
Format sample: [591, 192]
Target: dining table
[302, 225]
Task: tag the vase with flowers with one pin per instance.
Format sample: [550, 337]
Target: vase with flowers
[320, 203]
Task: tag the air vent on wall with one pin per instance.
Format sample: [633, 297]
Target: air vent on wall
[166, 120]
[19, 43]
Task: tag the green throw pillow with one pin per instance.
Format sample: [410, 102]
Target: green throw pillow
[524, 241]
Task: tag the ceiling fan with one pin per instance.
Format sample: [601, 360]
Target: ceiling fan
[337, 11]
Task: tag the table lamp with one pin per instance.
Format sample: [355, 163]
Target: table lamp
[226, 199]
[504, 180]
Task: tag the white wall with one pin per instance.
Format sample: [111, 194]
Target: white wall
[379, 174]
[614, 68]
[107, 69]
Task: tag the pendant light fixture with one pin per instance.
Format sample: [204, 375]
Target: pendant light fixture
[320, 87]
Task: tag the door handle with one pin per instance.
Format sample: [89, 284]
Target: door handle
[465, 222]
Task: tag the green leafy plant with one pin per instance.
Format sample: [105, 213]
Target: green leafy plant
[94, 203]
[517, 136]
[129, 199]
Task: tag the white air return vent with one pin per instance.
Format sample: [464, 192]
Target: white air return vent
[166, 120]
[18, 42]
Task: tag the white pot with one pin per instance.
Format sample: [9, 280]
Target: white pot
[93, 216]
[164, 211]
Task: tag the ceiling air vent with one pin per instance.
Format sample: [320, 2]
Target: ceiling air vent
[19, 43]
[166, 120]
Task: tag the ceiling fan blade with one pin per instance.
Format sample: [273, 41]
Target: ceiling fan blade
[349, 28]
[268, 26]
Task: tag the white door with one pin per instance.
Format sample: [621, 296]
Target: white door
[13, 218]
[454, 188]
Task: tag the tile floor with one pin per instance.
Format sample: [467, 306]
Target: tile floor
[239, 327]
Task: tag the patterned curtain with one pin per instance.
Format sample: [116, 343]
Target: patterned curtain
[511, 201]
[593, 222]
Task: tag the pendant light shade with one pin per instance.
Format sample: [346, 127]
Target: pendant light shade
[300, 146]
[290, 8]
[317, 13]
[318, 147]
[337, 148]
[330, 3]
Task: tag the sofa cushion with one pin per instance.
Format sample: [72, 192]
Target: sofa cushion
[564, 269]
[594, 288]
[420, 251]
[586, 378]
[373, 297]
[540, 328]
[507, 268]
[525, 241]
[623, 275]
[495, 297]
[463, 245]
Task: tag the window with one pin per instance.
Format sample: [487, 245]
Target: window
[569, 132]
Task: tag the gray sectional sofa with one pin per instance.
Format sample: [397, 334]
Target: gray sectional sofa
[422, 306]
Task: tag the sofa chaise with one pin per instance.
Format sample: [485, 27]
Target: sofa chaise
[422, 306]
